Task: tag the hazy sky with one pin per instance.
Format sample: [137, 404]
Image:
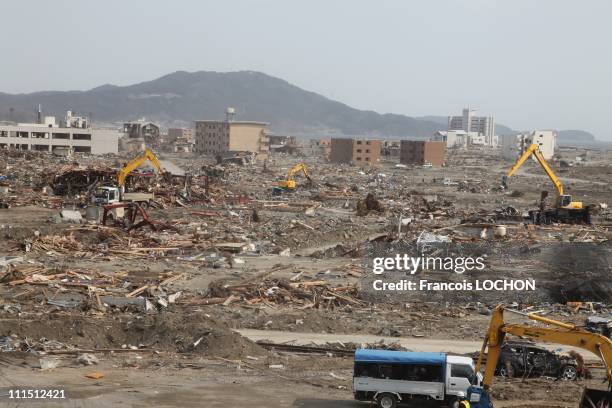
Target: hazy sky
[530, 63]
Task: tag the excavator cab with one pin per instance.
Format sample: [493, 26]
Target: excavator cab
[564, 200]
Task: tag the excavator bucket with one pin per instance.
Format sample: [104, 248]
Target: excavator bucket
[592, 398]
[504, 182]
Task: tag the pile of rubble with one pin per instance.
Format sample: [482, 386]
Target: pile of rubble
[85, 289]
[304, 295]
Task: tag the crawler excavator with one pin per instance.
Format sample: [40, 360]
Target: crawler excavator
[562, 333]
[289, 183]
[565, 210]
[115, 194]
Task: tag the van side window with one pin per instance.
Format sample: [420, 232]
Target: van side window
[462, 371]
[404, 372]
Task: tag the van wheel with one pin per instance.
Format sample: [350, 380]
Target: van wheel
[387, 400]
[454, 403]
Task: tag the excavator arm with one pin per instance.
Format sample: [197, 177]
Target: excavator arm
[563, 333]
[535, 151]
[296, 169]
[137, 162]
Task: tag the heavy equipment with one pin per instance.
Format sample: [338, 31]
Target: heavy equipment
[289, 183]
[563, 333]
[565, 210]
[115, 194]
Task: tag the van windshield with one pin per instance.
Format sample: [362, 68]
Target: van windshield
[101, 193]
[464, 371]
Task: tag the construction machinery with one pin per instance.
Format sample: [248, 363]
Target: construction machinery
[565, 210]
[562, 333]
[289, 183]
[115, 194]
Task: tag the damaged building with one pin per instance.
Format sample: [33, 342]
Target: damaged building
[73, 134]
[141, 134]
[229, 137]
[355, 151]
[422, 152]
[514, 145]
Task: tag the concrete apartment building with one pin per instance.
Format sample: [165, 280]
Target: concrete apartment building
[320, 147]
[415, 152]
[180, 140]
[73, 134]
[223, 138]
[358, 151]
[181, 134]
[469, 122]
[514, 145]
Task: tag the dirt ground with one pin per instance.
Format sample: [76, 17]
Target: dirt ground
[187, 381]
[185, 352]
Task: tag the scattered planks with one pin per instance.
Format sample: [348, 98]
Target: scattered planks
[307, 294]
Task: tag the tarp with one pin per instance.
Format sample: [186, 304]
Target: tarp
[400, 357]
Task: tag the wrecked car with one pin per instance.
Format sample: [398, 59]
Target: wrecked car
[599, 325]
[528, 360]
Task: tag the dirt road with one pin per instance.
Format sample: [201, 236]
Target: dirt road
[414, 343]
[212, 386]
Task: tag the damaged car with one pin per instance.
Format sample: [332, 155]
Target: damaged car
[519, 359]
[601, 325]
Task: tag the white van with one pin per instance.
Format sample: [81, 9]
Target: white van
[390, 377]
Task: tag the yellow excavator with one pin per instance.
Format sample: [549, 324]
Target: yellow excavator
[114, 194]
[562, 333]
[289, 183]
[566, 210]
[137, 162]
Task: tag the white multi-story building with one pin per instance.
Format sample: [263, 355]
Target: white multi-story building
[74, 134]
[468, 122]
[514, 145]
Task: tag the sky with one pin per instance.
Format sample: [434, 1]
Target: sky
[531, 64]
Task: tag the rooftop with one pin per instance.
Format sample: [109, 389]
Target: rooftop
[236, 122]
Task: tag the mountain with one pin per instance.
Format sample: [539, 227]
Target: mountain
[182, 97]
[577, 136]
[179, 98]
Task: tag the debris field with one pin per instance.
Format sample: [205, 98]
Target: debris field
[165, 294]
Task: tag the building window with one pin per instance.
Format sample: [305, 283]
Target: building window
[82, 149]
[40, 135]
[81, 136]
[358, 159]
[61, 136]
[368, 142]
[3, 133]
[358, 150]
[367, 150]
[359, 142]
[367, 159]
[22, 134]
